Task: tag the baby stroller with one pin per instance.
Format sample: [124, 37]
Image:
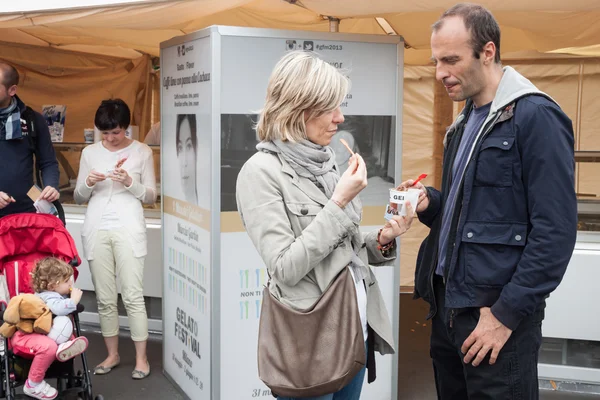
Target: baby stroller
[24, 239]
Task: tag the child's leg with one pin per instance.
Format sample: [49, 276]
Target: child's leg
[43, 350]
[71, 348]
[41, 347]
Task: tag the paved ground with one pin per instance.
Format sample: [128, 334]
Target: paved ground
[118, 385]
[415, 375]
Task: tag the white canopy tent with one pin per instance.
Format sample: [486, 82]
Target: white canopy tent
[128, 28]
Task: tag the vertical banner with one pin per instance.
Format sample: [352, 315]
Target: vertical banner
[370, 128]
[186, 182]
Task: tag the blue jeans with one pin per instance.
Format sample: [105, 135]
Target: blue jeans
[349, 392]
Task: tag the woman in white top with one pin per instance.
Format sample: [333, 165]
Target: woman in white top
[116, 175]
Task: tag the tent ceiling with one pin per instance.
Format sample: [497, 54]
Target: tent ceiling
[36, 5]
[127, 30]
[345, 8]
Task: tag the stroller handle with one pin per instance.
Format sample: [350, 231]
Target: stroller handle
[61, 211]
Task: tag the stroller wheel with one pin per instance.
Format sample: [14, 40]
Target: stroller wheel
[99, 397]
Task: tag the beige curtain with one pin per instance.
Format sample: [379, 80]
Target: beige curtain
[80, 81]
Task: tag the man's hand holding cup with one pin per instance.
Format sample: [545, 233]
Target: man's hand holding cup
[423, 202]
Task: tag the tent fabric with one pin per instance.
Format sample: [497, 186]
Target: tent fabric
[80, 81]
[526, 25]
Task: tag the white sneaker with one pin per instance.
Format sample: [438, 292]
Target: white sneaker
[43, 391]
[71, 349]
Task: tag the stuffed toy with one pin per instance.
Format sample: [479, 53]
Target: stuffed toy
[27, 313]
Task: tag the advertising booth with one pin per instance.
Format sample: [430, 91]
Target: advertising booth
[213, 82]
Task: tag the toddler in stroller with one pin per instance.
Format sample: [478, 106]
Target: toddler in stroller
[29, 358]
[53, 283]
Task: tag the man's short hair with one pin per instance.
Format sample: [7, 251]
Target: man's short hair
[480, 23]
[10, 75]
[111, 114]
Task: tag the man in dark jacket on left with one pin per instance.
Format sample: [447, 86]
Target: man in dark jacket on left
[17, 149]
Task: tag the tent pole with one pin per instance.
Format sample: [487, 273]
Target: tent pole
[334, 24]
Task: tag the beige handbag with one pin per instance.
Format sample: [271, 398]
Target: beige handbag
[312, 352]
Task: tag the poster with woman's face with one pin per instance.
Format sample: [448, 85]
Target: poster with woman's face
[187, 175]
[187, 155]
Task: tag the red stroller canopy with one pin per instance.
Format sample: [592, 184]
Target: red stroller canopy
[27, 238]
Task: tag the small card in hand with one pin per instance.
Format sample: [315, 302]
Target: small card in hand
[41, 206]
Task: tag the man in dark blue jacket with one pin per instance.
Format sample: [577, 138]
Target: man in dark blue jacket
[17, 149]
[503, 226]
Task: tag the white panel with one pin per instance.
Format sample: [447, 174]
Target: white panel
[243, 277]
[152, 263]
[242, 282]
[568, 373]
[568, 308]
[154, 325]
[248, 62]
[186, 183]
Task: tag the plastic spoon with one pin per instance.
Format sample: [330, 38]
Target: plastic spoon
[420, 178]
[346, 146]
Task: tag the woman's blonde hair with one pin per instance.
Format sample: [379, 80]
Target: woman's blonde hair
[300, 85]
[50, 271]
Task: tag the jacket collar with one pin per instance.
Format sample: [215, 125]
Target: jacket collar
[304, 184]
[512, 87]
[20, 105]
[461, 119]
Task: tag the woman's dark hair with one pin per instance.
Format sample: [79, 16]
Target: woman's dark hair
[111, 114]
[191, 118]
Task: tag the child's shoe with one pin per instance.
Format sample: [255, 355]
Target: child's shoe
[71, 348]
[42, 391]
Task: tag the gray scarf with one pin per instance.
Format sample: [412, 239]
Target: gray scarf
[10, 121]
[317, 163]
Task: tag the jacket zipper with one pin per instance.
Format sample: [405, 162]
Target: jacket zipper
[451, 247]
[486, 131]
[435, 258]
[432, 288]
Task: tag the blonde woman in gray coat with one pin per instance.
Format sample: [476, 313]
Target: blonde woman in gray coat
[301, 215]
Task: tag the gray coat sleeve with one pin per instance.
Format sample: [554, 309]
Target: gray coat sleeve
[288, 258]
